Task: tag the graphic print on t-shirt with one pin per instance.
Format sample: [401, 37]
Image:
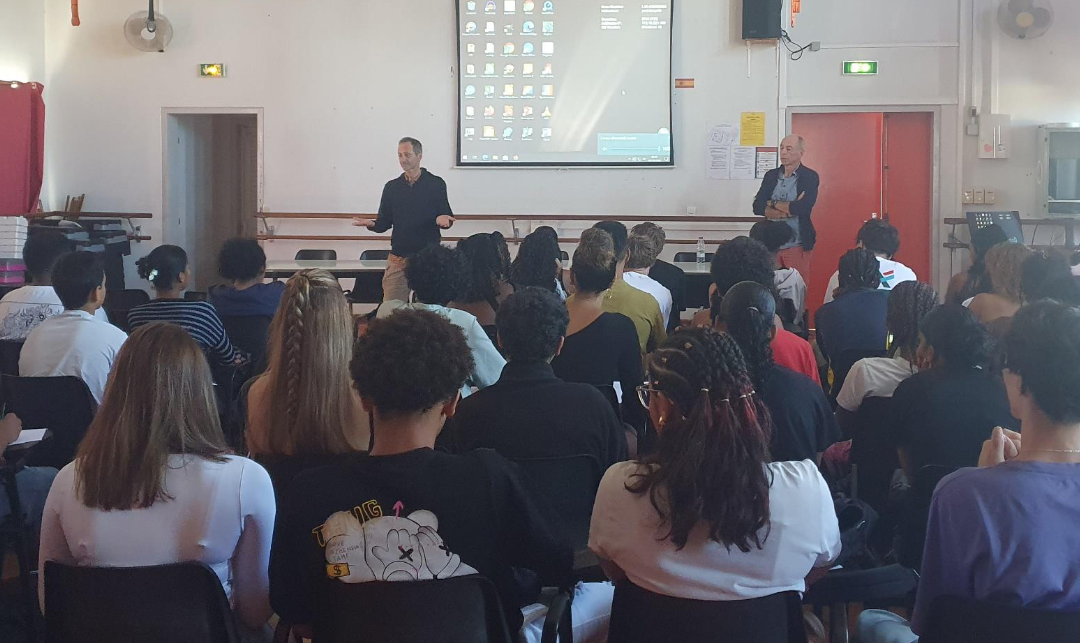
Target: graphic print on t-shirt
[18, 323]
[363, 545]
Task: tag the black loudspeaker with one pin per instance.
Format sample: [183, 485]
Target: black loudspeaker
[761, 19]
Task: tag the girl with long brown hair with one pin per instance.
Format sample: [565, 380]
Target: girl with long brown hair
[707, 516]
[153, 482]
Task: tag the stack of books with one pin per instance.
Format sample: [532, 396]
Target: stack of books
[13, 231]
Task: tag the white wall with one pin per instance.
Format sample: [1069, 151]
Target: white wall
[22, 40]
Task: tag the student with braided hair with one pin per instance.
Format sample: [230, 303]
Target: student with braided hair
[488, 283]
[855, 320]
[802, 420]
[706, 516]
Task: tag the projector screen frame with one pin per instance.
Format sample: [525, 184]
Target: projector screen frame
[459, 164]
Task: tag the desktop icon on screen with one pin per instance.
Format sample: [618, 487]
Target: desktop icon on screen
[470, 90]
[470, 111]
[526, 132]
[508, 111]
[508, 132]
[489, 48]
[508, 70]
[547, 90]
[547, 70]
[527, 68]
[470, 6]
[470, 69]
[489, 91]
[549, 6]
[470, 131]
[508, 30]
[527, 49]
[509, 6]
[546, 113]
[489, 111]
[470, 48]
[527, 90]
[545, 132]
[508, 48]
[547, 48]
[508, 89]
[489, 27]
[470, 27]
[528, 6]
[489, 69]
[489, 6]
[528, 27]
[527, 111]
[489, 131]
[549, 27]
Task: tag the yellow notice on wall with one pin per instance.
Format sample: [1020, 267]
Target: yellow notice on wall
[753, 129]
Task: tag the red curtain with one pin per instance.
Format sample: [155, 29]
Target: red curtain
[22, 139]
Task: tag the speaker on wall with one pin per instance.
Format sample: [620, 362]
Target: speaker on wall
[761, 19]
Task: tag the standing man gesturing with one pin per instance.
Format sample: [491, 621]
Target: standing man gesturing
[415, 205]
[788, 193]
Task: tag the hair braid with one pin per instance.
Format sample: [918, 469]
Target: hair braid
[909, 303]
[859, 269]
[294, 346]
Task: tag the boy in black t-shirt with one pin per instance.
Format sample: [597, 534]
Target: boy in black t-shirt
[406, 512]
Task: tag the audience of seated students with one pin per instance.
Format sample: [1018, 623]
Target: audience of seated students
[855, 320]
[1004, 266]
[707, 516]
[303, 411]
[436, 276]
[641, 254]
[973, 281]
[803, 424]
[1003, 532]
[942, 414]
[667, 275]
[601, 348]
[488, 283]
[468, 513]
[883, 239]
[539, 262]
[530, 413]
[909, 303]
[622, 298]
[790, 285]
[1047, 275]
[32, 482]
[744, 259]
[242, 264]
[75, 342]
[22, 309]
[153, 482]
[166, 268]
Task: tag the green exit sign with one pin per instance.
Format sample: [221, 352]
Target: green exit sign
[860, 67]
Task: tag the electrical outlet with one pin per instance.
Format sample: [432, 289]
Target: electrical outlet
[969, 197]
[690, 209]
[991, 197]
[980, 197]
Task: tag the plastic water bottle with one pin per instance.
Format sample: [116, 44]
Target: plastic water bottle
[701, 250]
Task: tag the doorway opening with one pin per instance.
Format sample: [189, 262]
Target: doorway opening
[872, 164]
[212, 176]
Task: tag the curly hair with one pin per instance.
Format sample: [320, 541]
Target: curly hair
[880, 237]
[742, 259]
[642, 252]
[537, 262]
[619, 236]
[1004, 266]
[531, 322]
[163, 266]
[1043, 348]
[595, 262]
[504, 252]
[481, 255]
[1047, 275]
[748, 310]
[773, 234]
[436, 275]
[957, 337]
[241, 259]
[859, 269]
[709, 464]
[410, 361]
[909, 303]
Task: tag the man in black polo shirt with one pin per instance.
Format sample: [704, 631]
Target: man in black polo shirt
[415, 205]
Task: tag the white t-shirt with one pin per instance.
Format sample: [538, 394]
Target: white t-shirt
[791, 285]
[22, 309]
[804, 534]
[892, 273]
[647, 284]
[873, 377]
[221, 514]
[73, 343]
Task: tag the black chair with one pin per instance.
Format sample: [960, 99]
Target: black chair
[844, 363]
[118, 303]
[464, 609]
[16, 534]
[195, 295]
[953, 619]
[891, 585]
[309, 254]
[691, 257]
[641, 616]
[9, 356]
[249, 334]
[176, 603]
[374, 255]
[569, 485]
[873, 451]
[564, 255]
[911, 533]
[62, 404]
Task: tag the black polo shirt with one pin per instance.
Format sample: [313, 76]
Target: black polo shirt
[411, 211]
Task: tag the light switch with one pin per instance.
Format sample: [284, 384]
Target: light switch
[969, 197]
[980, 197]
[991, 197]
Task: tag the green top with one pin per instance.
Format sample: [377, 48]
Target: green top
[642, 309]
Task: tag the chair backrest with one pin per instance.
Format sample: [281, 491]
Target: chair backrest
[954, 619]
[568, 484]
[9, 356]
[465, 609]
[374, 255]
[118, 303]
[611, 396]
[912, 529]
[691, 257]
[195, 295]
[844, 363]
[174, 603]
[564, 255]
[62, 404]
[249, 333]
[309, 254]
[873, 451]
[641, 616]
[283, 469]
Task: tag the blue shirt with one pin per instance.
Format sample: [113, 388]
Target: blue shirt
[787, 189]
[855, 321]
[260, 299]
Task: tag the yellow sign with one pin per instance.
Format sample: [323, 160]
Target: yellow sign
[684, 83]
[753, 129]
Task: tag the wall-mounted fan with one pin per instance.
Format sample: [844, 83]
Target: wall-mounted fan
[1025, 19]
[148, 31]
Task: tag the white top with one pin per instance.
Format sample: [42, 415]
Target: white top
[804, 534]
[73, 343]
[647, 284]
[873, 377]
[22, 309]
[488, 363]
[791, 285]
[221, 514]
[892, 273]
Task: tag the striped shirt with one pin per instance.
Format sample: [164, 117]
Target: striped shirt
[198, 318]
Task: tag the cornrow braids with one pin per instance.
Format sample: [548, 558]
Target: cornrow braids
[909, 303]
[709, 465]
[748, 311]
[859, 269]
[481, 253]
